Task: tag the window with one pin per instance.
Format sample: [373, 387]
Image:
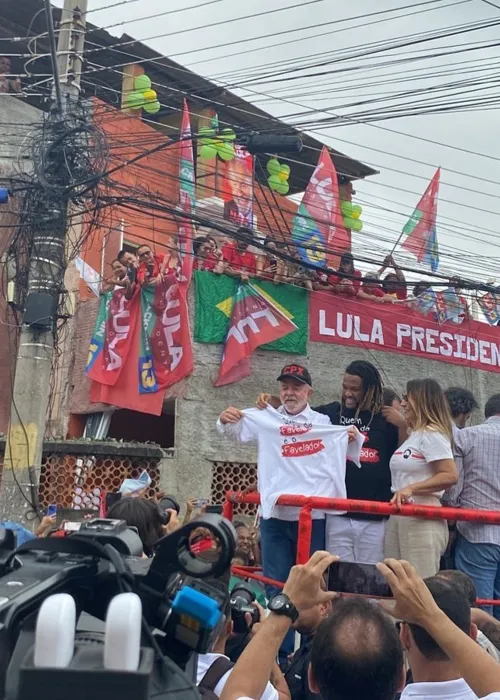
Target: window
[129, 247]
[233, 476]
[142, 427]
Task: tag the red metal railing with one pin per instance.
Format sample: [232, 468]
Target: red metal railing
[308, 503]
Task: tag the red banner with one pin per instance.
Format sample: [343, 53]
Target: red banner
[396, 328]
[170, 341]
[238, 188]
[187, 200]
[255, 321]
[112, 339]
[125, 393]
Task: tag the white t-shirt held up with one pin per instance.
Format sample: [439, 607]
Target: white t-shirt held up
[303, 454]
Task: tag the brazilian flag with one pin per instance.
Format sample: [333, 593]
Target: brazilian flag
[214, 303]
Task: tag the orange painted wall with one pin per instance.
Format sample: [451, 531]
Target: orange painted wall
[153, 175]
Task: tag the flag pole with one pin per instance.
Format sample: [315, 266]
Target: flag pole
[397, 242]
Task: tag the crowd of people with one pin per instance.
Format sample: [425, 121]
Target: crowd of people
[133, 269]
[382, 286]
[431, 640]
[414, 449]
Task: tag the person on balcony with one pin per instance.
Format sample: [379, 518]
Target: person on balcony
[8, 84]
[300, 453]
[152, 266]
[273, 267]
[239, 261]
[394, 284]
[347, 280]
[372, 290]
[118, 279]
[205, 258]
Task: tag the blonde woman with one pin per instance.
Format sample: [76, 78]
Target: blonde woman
[421, 470]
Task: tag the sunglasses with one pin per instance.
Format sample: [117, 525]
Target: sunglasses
[145, 254]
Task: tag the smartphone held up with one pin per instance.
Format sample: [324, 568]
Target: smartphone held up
[358, 579]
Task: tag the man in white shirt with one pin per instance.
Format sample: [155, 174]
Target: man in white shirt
[299, 452]
[434, 675]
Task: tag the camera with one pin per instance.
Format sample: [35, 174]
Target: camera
[241, 601]
[181, 613]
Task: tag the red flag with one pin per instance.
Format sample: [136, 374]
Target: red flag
[165, 310]
[318, 229]
[186, 200]
[420, 230]
[125, 392]
[112, 338]
[255, 321]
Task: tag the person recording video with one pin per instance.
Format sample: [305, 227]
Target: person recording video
[214, 668]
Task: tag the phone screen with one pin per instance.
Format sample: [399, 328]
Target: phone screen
[52, 510]
[364, 579]
[214, 509]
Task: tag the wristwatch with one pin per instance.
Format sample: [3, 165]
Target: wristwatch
[282, 605]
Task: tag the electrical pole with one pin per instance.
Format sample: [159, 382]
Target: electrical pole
[31, 391]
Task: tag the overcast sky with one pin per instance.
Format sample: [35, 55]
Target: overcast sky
[469, 235]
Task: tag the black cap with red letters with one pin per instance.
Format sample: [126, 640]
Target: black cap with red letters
[298, 372]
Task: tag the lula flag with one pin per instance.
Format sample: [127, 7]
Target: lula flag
[254, 322]
[111, 341]
[166, 353]
[426, 302]
[214, 303]
[421, 236]
[449, 306]
[490, 305]
[186, 200]
[318, 230]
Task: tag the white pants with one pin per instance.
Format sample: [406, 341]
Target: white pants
[359, 541]
[419, 541]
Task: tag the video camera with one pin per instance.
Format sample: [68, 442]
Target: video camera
[181, 613]
[242, 597]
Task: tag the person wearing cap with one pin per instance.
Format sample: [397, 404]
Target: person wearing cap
[299, 452]
[347, 280]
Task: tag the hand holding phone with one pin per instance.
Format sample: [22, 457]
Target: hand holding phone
[52, 510]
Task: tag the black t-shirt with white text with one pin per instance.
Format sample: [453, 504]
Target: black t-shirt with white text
[373, 481]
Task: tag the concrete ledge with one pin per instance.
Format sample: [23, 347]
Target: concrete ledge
[102, 448]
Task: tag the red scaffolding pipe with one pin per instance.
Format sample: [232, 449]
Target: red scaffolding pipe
[307, 503]
[492, 517]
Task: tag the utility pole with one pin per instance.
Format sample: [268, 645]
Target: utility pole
[31, 391]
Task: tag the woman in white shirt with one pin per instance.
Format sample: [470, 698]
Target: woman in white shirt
[422, 469]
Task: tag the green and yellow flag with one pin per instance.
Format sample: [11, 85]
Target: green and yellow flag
[214, 304]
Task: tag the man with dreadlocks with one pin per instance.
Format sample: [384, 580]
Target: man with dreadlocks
[359, 537]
